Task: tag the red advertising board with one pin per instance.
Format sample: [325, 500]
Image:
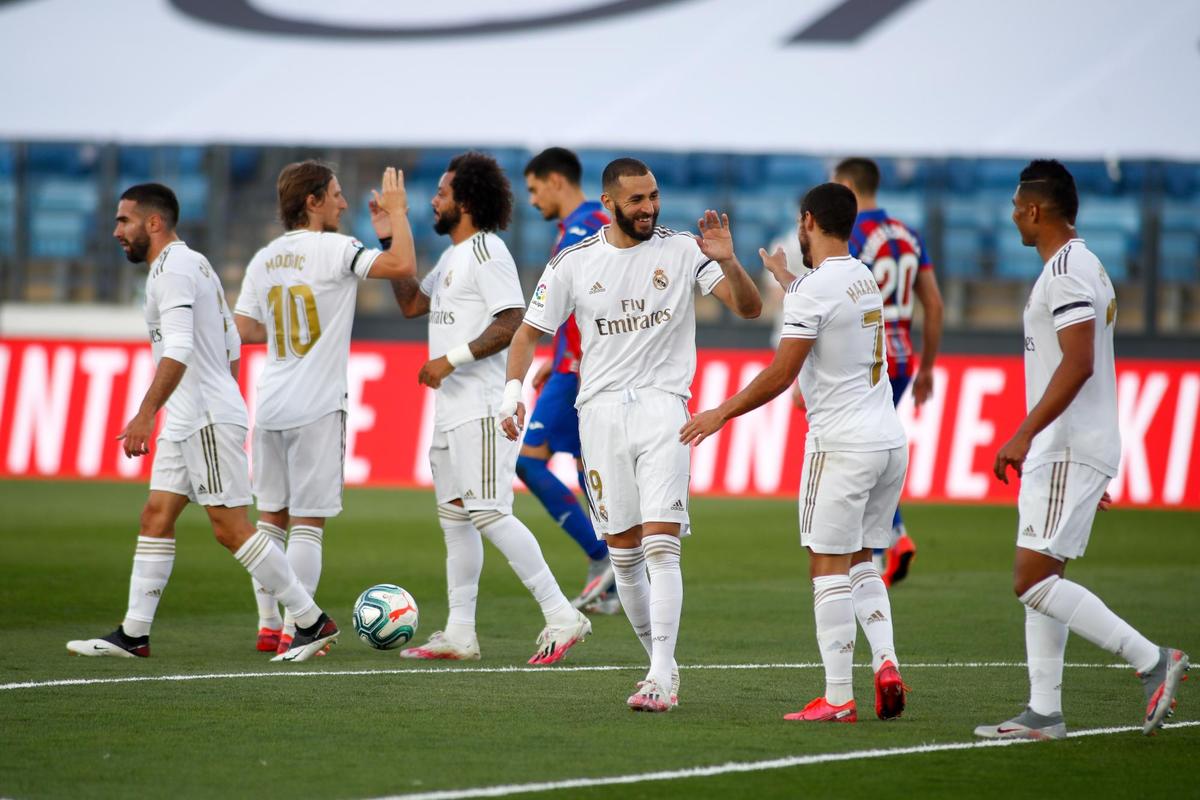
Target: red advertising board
[62, 403]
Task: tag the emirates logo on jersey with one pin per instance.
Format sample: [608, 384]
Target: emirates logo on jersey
[660, 279]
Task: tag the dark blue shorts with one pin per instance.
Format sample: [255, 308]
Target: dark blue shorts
[899, 384]
[554, 420]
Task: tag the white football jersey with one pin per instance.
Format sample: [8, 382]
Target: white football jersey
[1073, 288]
[303, 287]
[845, 378]
[472, 282]
[207, 393]
[635, 306]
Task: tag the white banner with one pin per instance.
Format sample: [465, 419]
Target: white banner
[1071, 78]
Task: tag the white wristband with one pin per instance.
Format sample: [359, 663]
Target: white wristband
[460, 355]
[512, 395]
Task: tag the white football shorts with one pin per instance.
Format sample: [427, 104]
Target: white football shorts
[209, 467]
[301, 469]
[476, 463]
[635, 467]
[1056, 506]
[848, 499]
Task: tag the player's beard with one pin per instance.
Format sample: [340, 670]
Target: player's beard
[447, 220]
[138, 248]
[805, 249]
[627, 226]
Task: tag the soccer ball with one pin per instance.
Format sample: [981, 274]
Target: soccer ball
[385, 616]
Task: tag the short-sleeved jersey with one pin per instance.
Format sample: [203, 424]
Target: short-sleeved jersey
[1073, 288]
[303, 287]
[636, 309]
[844, 378]
[574, 228]
[472, 282]
[895, 253]
[208, 393]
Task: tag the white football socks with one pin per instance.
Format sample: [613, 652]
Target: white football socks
[304, 544]
[518, 544]
[1045, 648]
[662, 552]
[833, 608]
[874, 611]
[268, 606]
[633, 587]
[269, 565]
[1085, 614]
[152, 561]
[464, 563]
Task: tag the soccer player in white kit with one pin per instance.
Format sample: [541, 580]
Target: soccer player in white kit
[473, 301]
[1065, 452]
[631, 287]
[199, 455]
[298, 296]
[856, 453]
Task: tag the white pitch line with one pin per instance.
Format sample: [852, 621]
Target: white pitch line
[284, 673]
[745, 766]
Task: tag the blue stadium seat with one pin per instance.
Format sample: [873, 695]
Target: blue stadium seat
[1093, 177]
[1177, 216]
[243, 163]
[796, 173]
[66, 194]
[8, 215]
[1181, 180]
[1112, 247]
[775, 209]
[537, 238]
[58, 234]
[56, 158]
[962, 253]
[1015, 261]
[710, 170]
[999, 173]
[1179, 256]
[908, 207]
[1114, 213]
[8, 160]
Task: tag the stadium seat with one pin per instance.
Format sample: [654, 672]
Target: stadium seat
[58, 234]
[1179, 256]
[1181, 180]
[798, 174]
[908, 207]
[1015, 261]
[8, 215]
[1180, 216]
[962, 252]
[1113, 248]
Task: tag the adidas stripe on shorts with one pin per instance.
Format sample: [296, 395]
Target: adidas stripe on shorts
[209, 467]
[476, 463]
[1056, 506]
[848, 499]
[635, 467]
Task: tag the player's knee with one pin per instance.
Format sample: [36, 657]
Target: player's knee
[529, 467]
[156, 520]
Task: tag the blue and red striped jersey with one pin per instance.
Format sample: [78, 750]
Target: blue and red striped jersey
[575, 227]
[895, 253]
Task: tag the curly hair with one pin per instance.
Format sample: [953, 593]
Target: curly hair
[483, 190]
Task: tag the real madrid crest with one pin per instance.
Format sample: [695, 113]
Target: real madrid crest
[602, 511]
[449, 276]
[660, 279]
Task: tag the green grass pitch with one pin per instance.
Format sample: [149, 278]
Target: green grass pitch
[65, 550]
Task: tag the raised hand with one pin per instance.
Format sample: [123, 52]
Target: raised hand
[380, 221]
[715, 240]
[776, 264]
[391, 197]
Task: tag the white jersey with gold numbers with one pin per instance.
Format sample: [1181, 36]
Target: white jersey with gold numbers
[182, 278]
[303, 287]
[472, 282]
[844, 379]
[1073, 288]
[635, 306]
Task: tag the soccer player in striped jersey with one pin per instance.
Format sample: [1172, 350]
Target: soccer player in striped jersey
[199, 456]
[473, 301]
[553, 180]
[855, 453]
[898, 257]
[1065, 452]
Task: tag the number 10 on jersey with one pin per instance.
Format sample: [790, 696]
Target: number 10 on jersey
[286, 321]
